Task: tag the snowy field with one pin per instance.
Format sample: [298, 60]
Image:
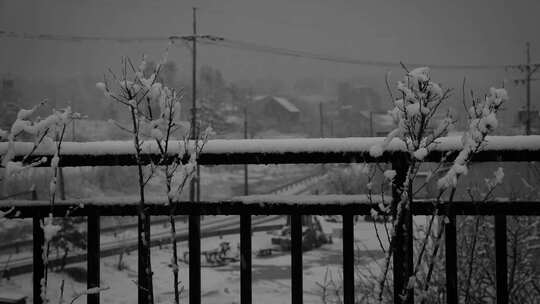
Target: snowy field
[271, 275]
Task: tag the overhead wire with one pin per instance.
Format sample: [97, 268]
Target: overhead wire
[251, 47]
[254, 47]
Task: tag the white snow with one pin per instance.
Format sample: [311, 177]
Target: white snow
[271, 275]
[288, 197]
[101, 86]
[13, 168]
[49, 228]
[24, 114]
[421, 153]
[360, 168]
[307, 199]
[499, 175]
[419, 74]
[376, 150]
[288, 145]
[286, 104]
[390, 174]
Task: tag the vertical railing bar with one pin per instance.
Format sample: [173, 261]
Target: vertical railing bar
[143, 254]
[296, 259]
[501, 259]
[403, 247]
[409, 253]
[451, 257]
[348, 258]
[194, 259]
[245, 259]
[93, 254]
[37, 253]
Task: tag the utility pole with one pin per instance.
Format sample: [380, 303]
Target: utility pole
[246, 185]
[529, 70]
[194, 189]
[193, 94]
[371, 123]
[194, 220]
[321, 119]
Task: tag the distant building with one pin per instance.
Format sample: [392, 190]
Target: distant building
[380, 123]
[7, 90]
[521, 121]
[354, 105]
[9, 100]
[361, 98]
[276, 112]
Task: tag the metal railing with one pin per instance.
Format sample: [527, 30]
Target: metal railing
[520, 149]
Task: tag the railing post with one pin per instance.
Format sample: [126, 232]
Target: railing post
[451, 257]
[245, 259]
[144, 278]
[37, 253]
[296, 259]
[93, 254]
[403, 246]
[348, 258]
[501, 259]
[194, 259]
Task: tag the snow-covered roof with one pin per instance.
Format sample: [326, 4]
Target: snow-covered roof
[286, 104]
[259, 97]
[316, 98]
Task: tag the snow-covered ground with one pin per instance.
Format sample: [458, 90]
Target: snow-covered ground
[271, 275]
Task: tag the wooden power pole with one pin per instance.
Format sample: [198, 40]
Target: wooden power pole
[194, 220]
[321, 119]
[529, 69]
[246, 185]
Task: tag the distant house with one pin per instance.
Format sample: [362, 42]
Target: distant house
[276, 112]
[9, 101]
[521, 121]
[354, 105]
[380, 123]
[361, 98]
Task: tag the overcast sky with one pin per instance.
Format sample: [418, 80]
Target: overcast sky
[430, 31]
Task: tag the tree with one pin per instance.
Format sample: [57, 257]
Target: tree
[167, 72]
[48, 134]
[211, 82]
[155, 111]
[418, 101]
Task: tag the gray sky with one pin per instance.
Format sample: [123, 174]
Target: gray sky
[444, 32]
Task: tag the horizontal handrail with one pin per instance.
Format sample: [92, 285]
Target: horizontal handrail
[278, 151]
[265, 151]
[261, 205]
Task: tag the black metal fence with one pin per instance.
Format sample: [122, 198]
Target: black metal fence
[265, 152]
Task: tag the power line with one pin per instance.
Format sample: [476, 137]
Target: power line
[249, 46]
[254, 47]
[79, 38]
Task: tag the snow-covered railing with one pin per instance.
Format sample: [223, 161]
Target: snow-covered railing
[222, 152]
[266, 151]
[294, 206]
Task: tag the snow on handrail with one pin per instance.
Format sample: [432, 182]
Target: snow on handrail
[162, 200]
[290, 150]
